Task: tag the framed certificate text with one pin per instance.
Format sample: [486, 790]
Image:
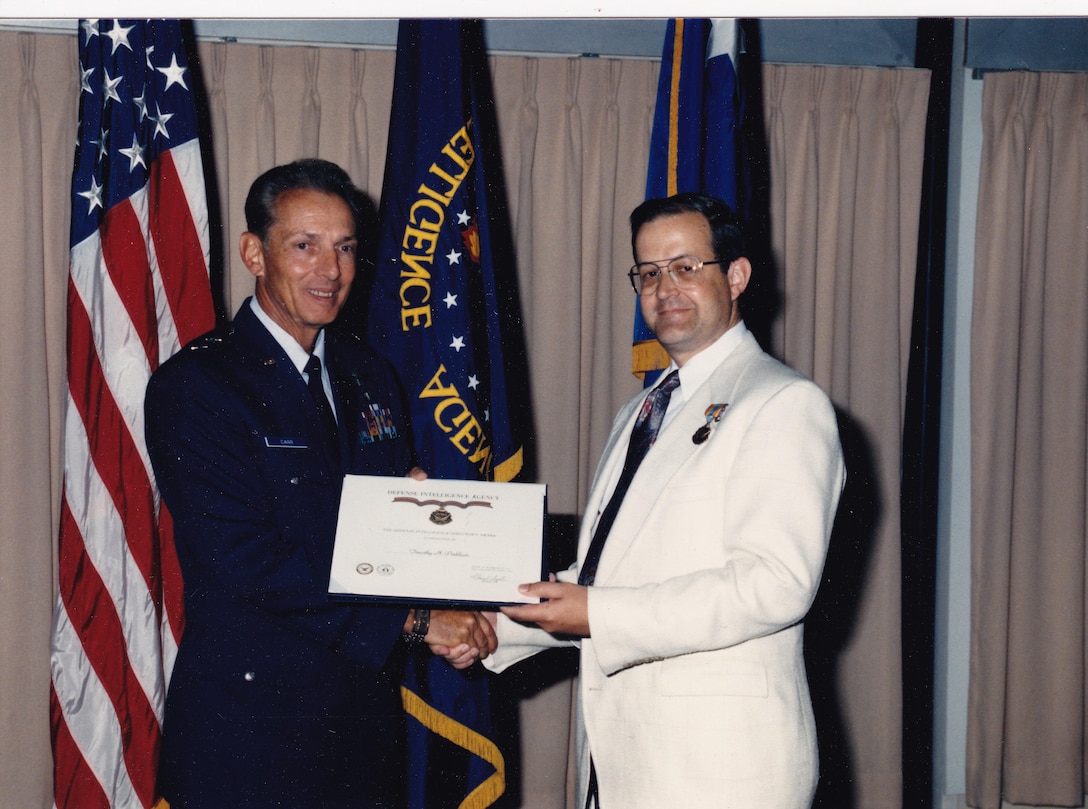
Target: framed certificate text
[439, 542]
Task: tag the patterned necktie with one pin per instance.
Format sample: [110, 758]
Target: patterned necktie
[642, 438]
[317, 392]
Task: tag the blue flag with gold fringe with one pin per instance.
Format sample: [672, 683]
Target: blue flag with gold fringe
[444, 311]
[693, 146]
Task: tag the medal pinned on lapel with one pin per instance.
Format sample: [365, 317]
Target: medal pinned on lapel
[713, 416]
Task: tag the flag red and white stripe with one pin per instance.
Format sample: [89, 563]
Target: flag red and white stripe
[138, 289]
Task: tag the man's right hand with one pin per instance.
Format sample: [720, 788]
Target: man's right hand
[461, 637]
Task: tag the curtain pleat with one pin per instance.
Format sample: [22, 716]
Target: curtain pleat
[358, 164]
[574, 138]
[602, 351]
[558, 340]
[214, 63]
[1029, 417]
[525, 113]
[310, 117]
[264, 133]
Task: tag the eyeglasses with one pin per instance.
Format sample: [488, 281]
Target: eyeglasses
[683, 270]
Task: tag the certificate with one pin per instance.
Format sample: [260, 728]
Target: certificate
[452, 542]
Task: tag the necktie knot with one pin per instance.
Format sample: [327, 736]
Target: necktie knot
[649, 420]
[671, 383]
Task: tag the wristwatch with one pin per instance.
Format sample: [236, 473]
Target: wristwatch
[420, 626]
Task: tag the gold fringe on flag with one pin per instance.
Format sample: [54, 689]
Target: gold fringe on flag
[435, 721]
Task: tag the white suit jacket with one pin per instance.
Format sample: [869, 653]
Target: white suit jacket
[692, 687]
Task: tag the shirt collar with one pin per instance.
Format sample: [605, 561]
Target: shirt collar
[296, 353]
[698, 369]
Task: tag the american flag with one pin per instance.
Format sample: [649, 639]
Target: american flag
[138, 289]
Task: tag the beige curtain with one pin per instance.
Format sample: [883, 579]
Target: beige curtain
[846, 147]
[38, 87]
[575, 136]
[1029, 435]
[573, 133]
[270, 105]
[571, 129]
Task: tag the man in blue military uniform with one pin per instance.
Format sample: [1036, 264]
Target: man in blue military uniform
[280, 697]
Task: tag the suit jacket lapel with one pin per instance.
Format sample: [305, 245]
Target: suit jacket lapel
[268, 359]
[612, 458]
[668, 454]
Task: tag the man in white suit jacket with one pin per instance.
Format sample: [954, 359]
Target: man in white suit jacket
[692, 686]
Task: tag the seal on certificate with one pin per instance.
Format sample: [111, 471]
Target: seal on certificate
[441, 515]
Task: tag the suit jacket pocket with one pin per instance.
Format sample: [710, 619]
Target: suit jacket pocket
[707, 674]
[303, 466]
[254, 655]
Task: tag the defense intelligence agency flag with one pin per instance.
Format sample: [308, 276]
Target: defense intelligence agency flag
[441, 304]
[693, 144]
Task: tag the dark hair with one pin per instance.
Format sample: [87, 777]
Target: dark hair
[311, 173]
[726, 229]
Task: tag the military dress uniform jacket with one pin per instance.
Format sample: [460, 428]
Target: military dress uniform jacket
[279, 697]
[692, 686]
